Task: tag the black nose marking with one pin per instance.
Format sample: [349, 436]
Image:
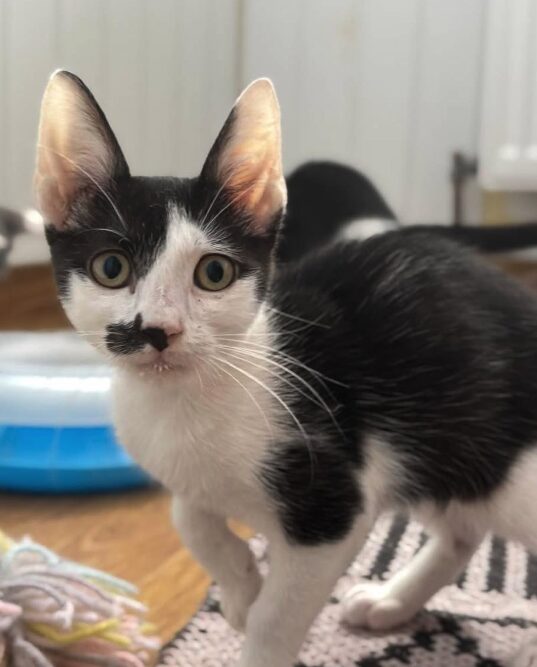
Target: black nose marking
[156, 337]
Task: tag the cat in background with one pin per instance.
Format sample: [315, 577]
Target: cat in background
[398, 373]
[329, 201]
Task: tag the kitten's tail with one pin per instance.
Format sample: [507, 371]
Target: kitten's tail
[493, 239]
[328, 201]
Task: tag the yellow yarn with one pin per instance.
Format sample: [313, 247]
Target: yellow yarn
[5, 542]
[119, 626]
[83, 631]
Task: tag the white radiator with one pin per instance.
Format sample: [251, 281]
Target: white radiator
[508, 147]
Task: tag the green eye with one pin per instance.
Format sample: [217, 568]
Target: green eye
[215, 272]
[110, 269]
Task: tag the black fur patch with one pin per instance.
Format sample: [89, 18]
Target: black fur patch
[129, 337]
[313, 508]
[321, 198]
[126, 337]
[433, 352]
[138, 228]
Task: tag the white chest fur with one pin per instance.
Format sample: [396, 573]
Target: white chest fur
[203, 437]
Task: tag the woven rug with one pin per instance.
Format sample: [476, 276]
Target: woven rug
[487, 619]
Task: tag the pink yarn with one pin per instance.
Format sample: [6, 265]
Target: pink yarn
[55, 613]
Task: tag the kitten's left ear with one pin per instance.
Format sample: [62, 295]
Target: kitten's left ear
[246, 161]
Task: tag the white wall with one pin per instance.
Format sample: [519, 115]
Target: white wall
[164, 71]
[391, 87]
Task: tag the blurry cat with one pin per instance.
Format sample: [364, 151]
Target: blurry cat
[328, 202]
[398, 373]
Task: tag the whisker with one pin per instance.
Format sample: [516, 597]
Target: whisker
[211, 366]
[232, 201]
[288, 357]
[252, 397]
[261, 356]
[317, 398]
[244, 357]
[91, 178]
[103, 229]
[214, 199]
[284, 405]
[300, 319]
[315, 323]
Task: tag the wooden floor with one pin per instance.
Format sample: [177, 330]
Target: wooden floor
[127, 534]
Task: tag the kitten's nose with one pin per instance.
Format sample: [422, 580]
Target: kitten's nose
[160, 337]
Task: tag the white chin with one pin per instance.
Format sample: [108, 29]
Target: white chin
[155, 363]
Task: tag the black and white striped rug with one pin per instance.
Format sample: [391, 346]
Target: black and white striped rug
[487, 619]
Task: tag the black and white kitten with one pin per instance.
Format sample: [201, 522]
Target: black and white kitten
[397, 373]
[328, 202]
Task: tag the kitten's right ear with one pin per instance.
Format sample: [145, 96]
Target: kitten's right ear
[76, 148]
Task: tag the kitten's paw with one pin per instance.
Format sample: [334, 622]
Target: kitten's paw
[236, 600]
[526, 657]
[371, 605]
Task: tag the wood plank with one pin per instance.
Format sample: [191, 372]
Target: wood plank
[28, 300]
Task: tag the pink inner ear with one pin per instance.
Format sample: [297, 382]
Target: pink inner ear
[255, 178]
[76, 148]
[50, 201]
[249, 162]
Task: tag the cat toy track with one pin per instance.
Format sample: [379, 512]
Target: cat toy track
[55, 429]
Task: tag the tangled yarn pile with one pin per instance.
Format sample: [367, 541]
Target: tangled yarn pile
[56, 613]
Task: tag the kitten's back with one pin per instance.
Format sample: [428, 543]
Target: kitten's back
[439, 351]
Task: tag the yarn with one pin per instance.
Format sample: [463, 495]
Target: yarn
[57, 613]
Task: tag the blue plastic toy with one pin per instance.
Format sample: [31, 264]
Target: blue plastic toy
[55, 426]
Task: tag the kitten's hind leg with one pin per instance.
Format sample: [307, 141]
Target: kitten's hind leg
[382, 606]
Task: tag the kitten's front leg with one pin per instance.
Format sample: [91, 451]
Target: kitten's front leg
[226, 557]
[300, 581]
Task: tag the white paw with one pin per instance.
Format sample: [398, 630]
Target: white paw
[370, 605]
[526, 657]
[236, 600]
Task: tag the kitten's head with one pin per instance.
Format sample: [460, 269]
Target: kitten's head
[158, 272]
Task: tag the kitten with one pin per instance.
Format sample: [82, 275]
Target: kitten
[330, 202]
[399, 373]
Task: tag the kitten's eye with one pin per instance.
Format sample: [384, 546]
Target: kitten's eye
[215, 272]
[110, 269]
